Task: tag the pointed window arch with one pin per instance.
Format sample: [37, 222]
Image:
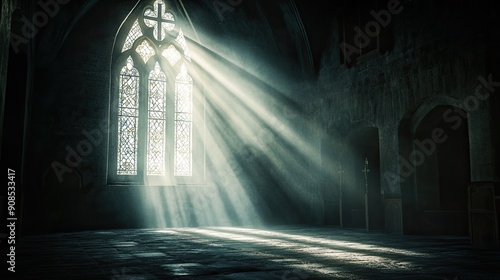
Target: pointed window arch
[153, 101]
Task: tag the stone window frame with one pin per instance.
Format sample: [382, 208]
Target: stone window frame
[118, 61]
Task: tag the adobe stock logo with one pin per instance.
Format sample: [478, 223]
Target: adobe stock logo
[30, 29]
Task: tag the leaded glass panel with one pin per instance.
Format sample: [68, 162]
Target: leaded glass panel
[172, 55]
[183, 126]
[128, 119]
[156, 122]
[145, 50]
[135, 32]
[182, 42]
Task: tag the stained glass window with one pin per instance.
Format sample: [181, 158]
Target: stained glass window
[172, 55]
[182, 42]
[155, 100]
[128, 116]
[156, 122]
[183, 140]
[145, 50]
[134, 34]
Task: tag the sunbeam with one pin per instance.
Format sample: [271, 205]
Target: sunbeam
[250, 139]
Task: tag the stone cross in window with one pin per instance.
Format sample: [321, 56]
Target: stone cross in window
[159, 19]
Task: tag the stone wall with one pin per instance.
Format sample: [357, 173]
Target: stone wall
[439, 52]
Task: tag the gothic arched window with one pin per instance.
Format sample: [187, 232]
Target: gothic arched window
[153, 102]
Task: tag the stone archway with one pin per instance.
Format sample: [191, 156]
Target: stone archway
[435, 170]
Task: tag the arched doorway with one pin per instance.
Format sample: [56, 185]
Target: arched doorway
[435, 171]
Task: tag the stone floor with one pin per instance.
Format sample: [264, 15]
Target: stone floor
[239, 253]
